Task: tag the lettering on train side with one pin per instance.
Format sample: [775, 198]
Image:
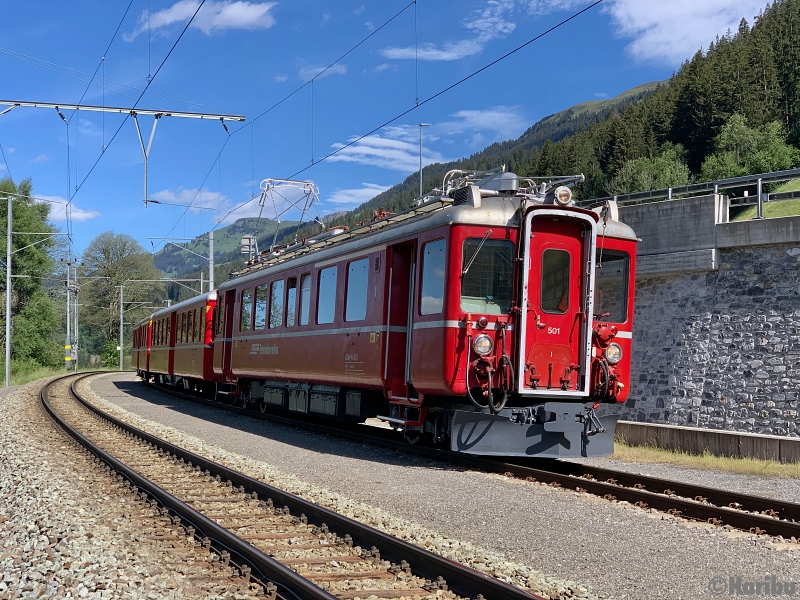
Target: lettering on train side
[259, 349]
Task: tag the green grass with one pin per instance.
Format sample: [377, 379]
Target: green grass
[771, 210]
[705, 461]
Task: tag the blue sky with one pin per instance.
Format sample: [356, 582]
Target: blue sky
[242, 57]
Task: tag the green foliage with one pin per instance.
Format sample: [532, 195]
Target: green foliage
[665, 170]
[109, 357]
[36, 338]
[742, 150]
[118, 260]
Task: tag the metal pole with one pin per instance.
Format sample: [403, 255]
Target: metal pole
[121, 288]
[67, 344]
[421, 125]
[8, 297]
[201, 281]
[210, 261]
[760, 214]
[75, 343]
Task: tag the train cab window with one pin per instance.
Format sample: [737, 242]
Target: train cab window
[220, 313]
[247, 310]
[261, 307]
[305, 298]
[326, 295]
[276, 305]
[555, 281]
[432, 293]
[487, 286]
[357, 280]
[291, 300]
[612, 285]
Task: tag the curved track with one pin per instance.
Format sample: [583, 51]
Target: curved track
[754, 514]
[293, 548]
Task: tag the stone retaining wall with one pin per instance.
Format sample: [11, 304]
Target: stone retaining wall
[718, 346]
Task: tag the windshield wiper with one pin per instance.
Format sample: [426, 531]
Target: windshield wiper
[475, 254]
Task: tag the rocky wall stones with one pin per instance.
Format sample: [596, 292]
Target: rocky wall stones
[721, 349]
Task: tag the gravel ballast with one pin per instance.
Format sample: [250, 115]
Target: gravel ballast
[69, 530]
[509, 526]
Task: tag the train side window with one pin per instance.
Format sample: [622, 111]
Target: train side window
[197, 329]
[326, 295]
[357, 280]
[432, 293]
[169, 325]
[261, 307]
[555, 281]
[183, 327]
[305, 298]
[189, 324]
[247, 310]
[291, 301]
[220, 313]
[276, 305]
[612, 285]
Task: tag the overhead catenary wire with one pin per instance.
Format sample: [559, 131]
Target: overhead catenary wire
[270, 109]
[447, 89]
[5, 162]
[144, 90]
[43, 64]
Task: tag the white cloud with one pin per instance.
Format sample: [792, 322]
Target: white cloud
[11, 150]
[485, 24]
[281, 78]
[3, 167]
[601, 95]
[318, 72]
[504, 121]
[369, 25]
[666, 32]
[396, 153]
[350, 198]
[58, 210]
[360, 9]
[214, 17]
[325, 18]
[40, 159]
[382, 68]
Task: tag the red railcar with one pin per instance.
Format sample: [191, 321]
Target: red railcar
[180, 350]
[495, 316]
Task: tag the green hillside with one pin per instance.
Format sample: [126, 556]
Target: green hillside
[179, 259]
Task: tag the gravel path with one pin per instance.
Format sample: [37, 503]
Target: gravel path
[616, 549]
[68, 530]
[781, 488]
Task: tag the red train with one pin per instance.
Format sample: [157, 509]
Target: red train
[494, 316]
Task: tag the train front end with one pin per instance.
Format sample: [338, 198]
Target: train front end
[539, 371]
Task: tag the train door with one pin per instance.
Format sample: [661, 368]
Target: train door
[555, 340]
[227, 333]
[399, 321]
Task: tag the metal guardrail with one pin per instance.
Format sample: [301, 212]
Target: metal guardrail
[710, 187]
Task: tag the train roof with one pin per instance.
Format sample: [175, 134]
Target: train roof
[502, 211]
[202, 298]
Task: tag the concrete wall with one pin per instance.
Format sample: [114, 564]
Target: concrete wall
[717, 321]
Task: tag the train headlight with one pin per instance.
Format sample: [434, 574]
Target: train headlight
[613, 353]
[482, 345]
[563, 195]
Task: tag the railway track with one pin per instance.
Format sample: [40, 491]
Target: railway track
[754, 514]
[280, 545]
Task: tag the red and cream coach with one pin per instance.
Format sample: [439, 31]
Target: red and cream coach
[494, 316]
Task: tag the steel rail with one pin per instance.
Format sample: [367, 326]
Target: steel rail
[460, 579]
[269, 568]
[681, 501]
